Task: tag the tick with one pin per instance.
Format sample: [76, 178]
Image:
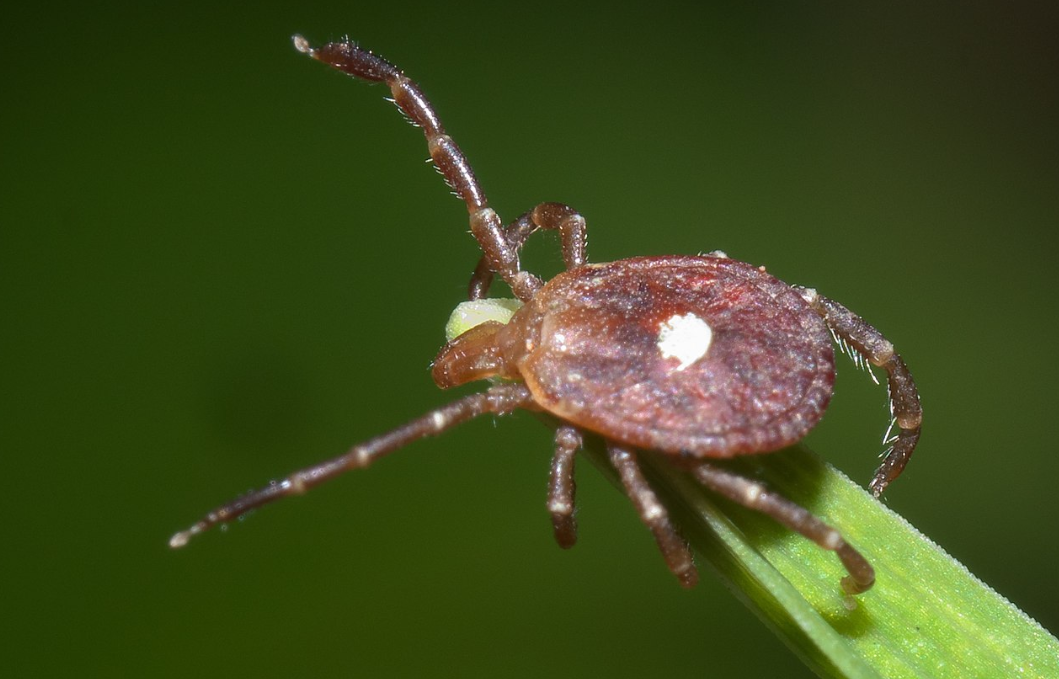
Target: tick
[696, 357]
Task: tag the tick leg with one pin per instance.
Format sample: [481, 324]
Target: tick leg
[482, 279]
[447, 156]
[904, 398]
[561, 486]
[550, 217]
[500, 399]
[571, 227]
[756, 496]
[674, 549]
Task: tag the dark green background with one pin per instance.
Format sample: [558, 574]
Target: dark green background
[221, 261]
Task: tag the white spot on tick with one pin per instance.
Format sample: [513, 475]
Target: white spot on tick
[684, 337]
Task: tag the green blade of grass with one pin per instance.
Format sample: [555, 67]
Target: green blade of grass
[927, 615]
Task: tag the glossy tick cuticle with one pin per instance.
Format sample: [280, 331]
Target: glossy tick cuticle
[698, 357]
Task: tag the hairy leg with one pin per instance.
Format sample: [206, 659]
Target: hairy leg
[855, 332]
[447, 156]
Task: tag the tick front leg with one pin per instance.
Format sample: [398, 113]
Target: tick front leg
[500, 399]
[482, 279]
[756, 496]
[550, 217]
[561, 486]
[674, 549]
[571, 227]
[904, 397]
[446, 154]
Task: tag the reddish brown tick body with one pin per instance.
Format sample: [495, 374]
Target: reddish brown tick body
[695, 357]
[587, 347]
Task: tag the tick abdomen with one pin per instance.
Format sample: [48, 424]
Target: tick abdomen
[704, 355]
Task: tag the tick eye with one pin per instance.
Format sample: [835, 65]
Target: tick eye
[684, 337]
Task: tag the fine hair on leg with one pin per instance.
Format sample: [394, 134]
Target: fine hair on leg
[853, 332]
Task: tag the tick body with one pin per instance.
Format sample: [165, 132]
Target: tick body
[697, 357]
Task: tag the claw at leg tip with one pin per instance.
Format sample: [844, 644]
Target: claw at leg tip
[852, 588]
[180, 539]
[301, 44]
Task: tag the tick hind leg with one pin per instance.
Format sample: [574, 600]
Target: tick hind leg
[674, 549]
[904, 397]
[548, 216]
[756, 496]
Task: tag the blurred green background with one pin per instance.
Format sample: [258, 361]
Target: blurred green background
[221, 261]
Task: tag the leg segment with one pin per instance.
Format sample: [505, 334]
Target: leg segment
[561, 486]
[482, 278]
[904, 397]
[674, 549]
[447, 156]
[548, 216]
[756, 496]
[500, 399]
